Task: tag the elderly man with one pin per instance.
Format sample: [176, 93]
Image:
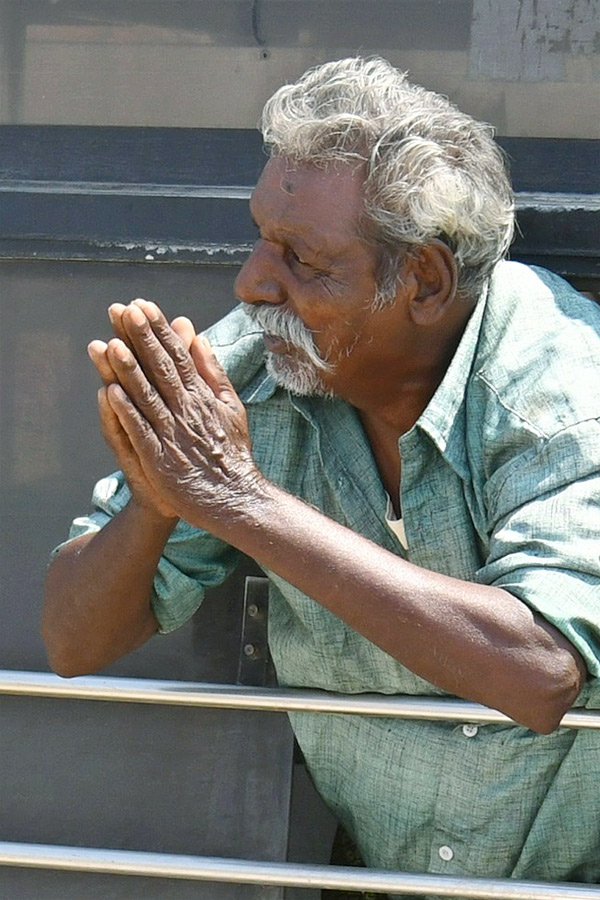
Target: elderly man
[414, 462]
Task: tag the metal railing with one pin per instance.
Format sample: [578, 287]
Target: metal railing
[236, 871]
[240, 871]
[227, 696]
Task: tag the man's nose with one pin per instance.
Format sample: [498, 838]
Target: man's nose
[261, 279]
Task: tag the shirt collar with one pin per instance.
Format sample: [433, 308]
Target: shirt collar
[443, 419]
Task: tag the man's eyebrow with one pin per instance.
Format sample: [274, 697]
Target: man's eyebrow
[318, 251]
[303, 236]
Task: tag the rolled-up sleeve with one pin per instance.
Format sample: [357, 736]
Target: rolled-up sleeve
[193, 560]
[545, 534]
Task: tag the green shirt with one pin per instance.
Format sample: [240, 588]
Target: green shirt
[500, 486]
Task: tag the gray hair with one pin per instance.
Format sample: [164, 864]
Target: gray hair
[431, 170]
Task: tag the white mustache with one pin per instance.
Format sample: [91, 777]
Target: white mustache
[281, 323]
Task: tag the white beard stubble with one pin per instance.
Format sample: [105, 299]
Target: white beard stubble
[299, 372]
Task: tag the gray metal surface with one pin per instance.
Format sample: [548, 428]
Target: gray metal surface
[165, 780]
[51, 451]
[137, 777]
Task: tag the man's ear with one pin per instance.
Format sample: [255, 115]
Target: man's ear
[434, 277]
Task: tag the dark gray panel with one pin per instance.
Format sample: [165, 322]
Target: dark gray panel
[137, 777]
[99, 774]
[130, 156]
[51, 451]
[26, 884]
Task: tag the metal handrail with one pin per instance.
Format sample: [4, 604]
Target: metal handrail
[240, 871]
[226, 696]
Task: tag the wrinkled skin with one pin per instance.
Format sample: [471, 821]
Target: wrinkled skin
[180, 432]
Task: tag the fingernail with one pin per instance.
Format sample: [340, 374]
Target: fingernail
[136, 315]
[114, 310]
[97, 344]
[120, 351]
[151, 310]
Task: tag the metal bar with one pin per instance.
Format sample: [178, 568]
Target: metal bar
[226, 696]
[240, 871]
[547, 200]
[559, 202]
[133, 189]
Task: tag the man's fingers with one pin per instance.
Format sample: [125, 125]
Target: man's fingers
[115, 316]
[185, 330]
[97, 353]
[161, 352]
[139, 433]
[113, 433]
[110, 426]
[171, 357]
[212, 372]
[97, 349]
[136, 387]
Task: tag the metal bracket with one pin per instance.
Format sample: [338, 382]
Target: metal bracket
[255, 666]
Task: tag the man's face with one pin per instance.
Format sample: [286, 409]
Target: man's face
[310, 281]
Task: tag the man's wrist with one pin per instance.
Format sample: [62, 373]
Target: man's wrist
[151, 516]
[248, 502]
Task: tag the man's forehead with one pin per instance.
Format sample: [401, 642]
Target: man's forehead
[330, 191]
[291, 173]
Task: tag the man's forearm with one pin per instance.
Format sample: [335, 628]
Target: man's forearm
[98, 588]
[478, 642]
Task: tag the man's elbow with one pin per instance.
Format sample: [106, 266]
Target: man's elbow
[70, 639]
[557, 693]
[63, 658]
[68, 651]
[67, 668]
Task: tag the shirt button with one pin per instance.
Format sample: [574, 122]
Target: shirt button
[447, 853]
[470, 730]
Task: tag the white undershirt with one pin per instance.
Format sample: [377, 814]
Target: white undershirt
[395, 524]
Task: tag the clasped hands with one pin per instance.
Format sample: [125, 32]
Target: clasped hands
[172, 418]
